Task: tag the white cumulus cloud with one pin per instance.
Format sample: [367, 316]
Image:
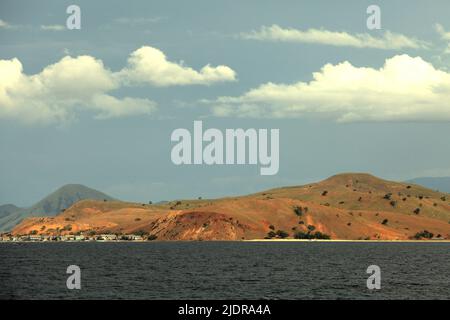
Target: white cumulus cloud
[404, 89]
[149, 65]
[388, 40]
[59, 90]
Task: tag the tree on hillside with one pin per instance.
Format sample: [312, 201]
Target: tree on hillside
[309, 235]
[423, 235]
[387, 196]
[282, 234]
[141, 233]
[298, 211]
[271, 234]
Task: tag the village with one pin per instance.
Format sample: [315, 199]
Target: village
[74, 238]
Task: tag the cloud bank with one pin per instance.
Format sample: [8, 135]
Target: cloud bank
[387, 41]
[404, 89]
[61, 90]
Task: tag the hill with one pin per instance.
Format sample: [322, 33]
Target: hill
[7, 209]
[440, 183]
[51, 205]
[345, 206]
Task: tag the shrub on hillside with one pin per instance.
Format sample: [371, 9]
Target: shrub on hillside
[423, 235]
[271, 234]
[141, 233]
[387, 196]
[298, 211]
[309, 235]
[320, 235]
[282, 234]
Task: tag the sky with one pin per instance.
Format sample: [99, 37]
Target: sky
[97, 106]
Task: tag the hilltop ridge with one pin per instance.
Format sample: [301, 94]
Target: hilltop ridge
[344, 206]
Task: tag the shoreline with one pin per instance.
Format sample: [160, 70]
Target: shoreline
[341, 240]
[248, 240]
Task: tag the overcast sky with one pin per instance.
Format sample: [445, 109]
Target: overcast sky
[97, 106]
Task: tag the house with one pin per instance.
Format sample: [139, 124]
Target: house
[135, 237]
[106, 237]
[35, 238]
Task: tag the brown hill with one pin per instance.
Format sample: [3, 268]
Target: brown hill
[345, 206]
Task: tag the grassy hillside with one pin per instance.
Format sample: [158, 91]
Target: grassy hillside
[366, 192]
[346, 206]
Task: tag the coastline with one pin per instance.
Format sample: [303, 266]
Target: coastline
[248, 240]
[341, 240]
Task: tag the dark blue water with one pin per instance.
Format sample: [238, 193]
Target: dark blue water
[225, 270]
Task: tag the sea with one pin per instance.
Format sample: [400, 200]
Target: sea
[225, 270]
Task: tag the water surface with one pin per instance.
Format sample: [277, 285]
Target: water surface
[225, 270]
